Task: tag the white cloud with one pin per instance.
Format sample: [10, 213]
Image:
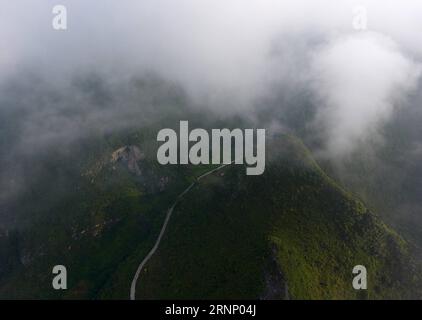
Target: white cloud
[229, 53]
[359, 79]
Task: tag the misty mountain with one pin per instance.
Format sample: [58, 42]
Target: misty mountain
[80, 185]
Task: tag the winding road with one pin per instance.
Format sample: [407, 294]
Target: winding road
[163, 229]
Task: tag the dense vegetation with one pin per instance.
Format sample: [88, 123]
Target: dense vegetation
[99, 220]
[223, 236]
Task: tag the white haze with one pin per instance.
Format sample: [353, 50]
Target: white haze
[360, 79]
[229, 54]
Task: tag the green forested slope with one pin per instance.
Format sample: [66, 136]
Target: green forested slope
[226, 232]
[232, 236]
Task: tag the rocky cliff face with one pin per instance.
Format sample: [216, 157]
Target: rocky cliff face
[129, 156]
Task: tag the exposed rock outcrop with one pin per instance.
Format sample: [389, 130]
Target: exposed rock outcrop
[129, 156]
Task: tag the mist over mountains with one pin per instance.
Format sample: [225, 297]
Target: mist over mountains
[227, 56]
[293, 67]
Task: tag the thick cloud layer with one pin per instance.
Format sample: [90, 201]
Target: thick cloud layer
[360, 78]
[229, 55]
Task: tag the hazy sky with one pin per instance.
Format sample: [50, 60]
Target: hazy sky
[229, 54]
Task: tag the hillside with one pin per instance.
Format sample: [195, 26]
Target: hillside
[235, 236]
[292, 232]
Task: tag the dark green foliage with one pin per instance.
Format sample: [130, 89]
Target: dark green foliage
[100, 220]
[222, 232]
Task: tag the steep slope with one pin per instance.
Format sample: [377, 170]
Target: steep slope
[95, 207]
[227, 233]
[233, 236]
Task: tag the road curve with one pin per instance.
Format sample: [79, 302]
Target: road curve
[163, 229]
